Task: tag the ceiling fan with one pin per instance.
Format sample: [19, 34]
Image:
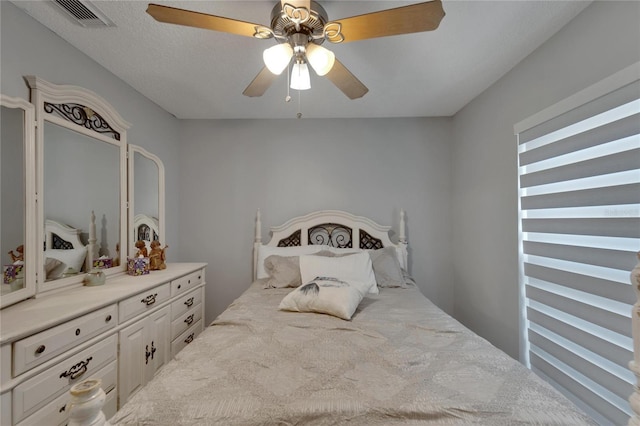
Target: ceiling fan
[300, 27]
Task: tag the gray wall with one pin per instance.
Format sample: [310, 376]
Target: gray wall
[603, 39]
[371, 167]
[28, 48]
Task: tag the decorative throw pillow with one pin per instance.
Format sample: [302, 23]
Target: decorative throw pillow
[355, 267]
[50, 264]
[326, 295]
[386, 267]
[284, 271]
[266, 251]
[71, 261]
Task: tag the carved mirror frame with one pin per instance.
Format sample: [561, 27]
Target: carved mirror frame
[29, 196]
[88, 114]
[133, 150]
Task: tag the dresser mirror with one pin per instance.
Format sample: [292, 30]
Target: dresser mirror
[17, 178]
[81, 153]
[75, 164]
[146, 197]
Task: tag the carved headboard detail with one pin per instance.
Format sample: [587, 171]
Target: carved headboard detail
[331, 234]
[292, 240]
[333, 228]
[368, 242]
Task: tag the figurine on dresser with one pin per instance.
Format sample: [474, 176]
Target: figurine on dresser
[157, 256]
[17, 257]
[13, 273]
[142, 248]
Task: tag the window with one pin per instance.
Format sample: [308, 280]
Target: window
[579, 183]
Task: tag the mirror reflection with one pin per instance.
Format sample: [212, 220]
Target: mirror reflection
[146, 179]
[146, 198]
[81, 202]
[12, 204]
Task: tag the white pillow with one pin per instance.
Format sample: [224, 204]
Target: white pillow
[346, 251]
[356, 267]
[326, 296]
[266, 251]
[69, 259]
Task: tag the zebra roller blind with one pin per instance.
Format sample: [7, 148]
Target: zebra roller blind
[579, 177]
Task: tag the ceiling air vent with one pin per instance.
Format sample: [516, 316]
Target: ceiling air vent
[84, 13]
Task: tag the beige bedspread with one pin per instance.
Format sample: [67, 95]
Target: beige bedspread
[401, 360]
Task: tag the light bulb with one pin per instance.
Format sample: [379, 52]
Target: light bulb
[320, 59]
[277, 57]
[300, 79]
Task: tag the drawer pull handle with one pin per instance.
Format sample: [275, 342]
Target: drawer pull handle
[149, 353]
[179, 286]
[189, 302]
[189, 339]
[199, 277]
[150, 299]
[189, 319]
[77, 331]
[40, 349]
[108, 318]
[77, 370]
[62, 409]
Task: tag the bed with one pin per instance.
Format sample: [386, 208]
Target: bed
[65, 254]
[398, 359]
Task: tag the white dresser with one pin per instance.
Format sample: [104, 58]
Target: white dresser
[122, 332]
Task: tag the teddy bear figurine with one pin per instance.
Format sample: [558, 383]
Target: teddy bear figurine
[17, 257]
[142, 248]
[157, 256]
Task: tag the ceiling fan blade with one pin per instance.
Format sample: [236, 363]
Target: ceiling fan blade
[260, 84]
[345, 81]
[172, 15]
[401, 20]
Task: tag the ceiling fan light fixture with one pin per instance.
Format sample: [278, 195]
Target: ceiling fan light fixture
[320, 59]
[277, 58]
[300, 79]
[298, 4]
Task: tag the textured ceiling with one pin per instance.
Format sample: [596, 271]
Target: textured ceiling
[200, 74]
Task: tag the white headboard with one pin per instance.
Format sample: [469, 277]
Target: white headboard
[63, 237]
[145, 228]
[334, 228]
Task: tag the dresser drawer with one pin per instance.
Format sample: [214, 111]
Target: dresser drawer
[185, 338]
[185, 303]
[36, 349]
[185, 283]
[142, 302]
[39, 390]
[54, 413]
[186, 320]
[5, 408]
[110, 406]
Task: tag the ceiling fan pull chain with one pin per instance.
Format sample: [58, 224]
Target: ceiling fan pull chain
[299, 114]
[288, 97]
